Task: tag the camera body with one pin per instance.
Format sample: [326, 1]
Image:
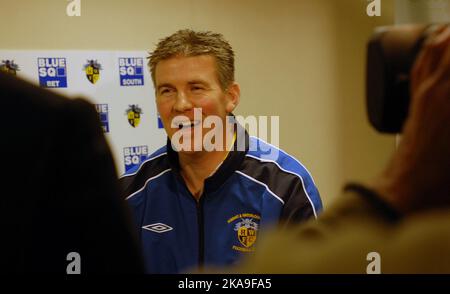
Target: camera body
[391, 53]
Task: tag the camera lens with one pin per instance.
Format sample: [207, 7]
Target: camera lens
[390, 56]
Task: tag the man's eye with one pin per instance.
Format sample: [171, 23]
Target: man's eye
[165, 91]
[197, 88]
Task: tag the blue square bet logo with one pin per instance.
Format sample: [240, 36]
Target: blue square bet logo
[52, 72]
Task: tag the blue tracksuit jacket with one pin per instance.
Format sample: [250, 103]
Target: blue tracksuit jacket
[251, 191]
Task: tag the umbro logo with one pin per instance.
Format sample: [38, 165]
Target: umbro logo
[158, 228]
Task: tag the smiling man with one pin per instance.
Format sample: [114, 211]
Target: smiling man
[205, 199]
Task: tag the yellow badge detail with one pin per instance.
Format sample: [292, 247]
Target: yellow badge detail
[246, 229]
[93, 74]
[134, 115]
[92, 70]
[134, 118]
[8, 66]
[247, 236]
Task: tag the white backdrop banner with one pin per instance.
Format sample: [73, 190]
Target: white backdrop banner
[117, 82]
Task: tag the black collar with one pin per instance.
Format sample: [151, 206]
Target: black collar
[231, 163]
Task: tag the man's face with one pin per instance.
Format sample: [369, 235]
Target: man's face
[184, 83]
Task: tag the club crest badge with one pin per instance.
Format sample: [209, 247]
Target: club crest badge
[246, 232]
[246, 226]
[92, 70]
[9, 67]
[134, 115]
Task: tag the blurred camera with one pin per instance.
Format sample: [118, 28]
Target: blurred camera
[391, 52]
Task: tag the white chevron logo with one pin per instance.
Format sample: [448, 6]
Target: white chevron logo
[158, 228]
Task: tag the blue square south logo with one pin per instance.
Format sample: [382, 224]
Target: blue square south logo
[131, 71]
[102, 110]
[52, 72]
[133, 156]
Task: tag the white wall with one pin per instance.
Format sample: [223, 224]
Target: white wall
[422, 11]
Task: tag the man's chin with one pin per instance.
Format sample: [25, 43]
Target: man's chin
[190, 152]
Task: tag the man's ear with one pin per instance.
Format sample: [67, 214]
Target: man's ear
[233, 96]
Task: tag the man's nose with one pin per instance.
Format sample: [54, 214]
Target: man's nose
[182, 103]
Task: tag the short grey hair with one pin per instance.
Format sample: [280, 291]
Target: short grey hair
[191, 43]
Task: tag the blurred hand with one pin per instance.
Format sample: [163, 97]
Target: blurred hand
[418, 176]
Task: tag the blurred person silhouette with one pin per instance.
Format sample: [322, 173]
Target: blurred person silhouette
[402, 218]
[59, 187]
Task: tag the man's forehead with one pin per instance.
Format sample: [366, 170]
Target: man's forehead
[194, 60]
[198, 67]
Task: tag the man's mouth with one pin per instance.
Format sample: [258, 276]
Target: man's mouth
[184, 124]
